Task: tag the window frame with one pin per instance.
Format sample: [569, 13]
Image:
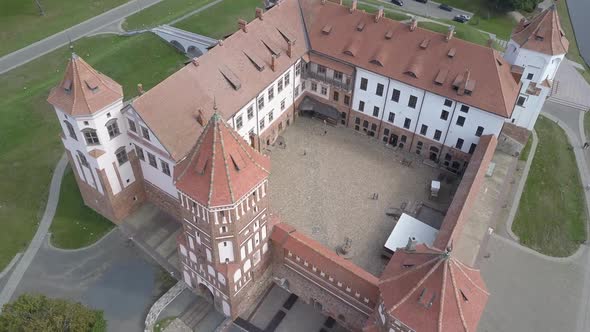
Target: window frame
[412, 102]
[364, 84]
[395, 95]
[121, 155]
[113, 128]
[407, 123]
[132, 125]
[71, 130]
[152, 160]
[91, 136]
[444, 115]
[165, 167]
[379, 89]
[361, 106]
[460, 121]
[145, 133]
[459, 144]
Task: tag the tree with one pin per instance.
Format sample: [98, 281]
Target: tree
[39, 313]
[508, 5]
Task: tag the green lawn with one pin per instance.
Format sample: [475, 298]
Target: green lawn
[389, 14]
[162, 13]
[29, 143]
[220, 20]
[524, 154]
[551, 217]
[75, 225]
[21, 24]
[462, 31]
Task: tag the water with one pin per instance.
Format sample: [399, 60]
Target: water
[580, 16]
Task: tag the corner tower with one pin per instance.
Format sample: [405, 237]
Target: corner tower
[88, 106]
[222, 185]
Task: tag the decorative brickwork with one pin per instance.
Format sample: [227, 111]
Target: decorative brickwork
[162, 200]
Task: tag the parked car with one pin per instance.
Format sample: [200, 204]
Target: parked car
[397, 2]
[461, 18]
[446, 7]
[423, 1]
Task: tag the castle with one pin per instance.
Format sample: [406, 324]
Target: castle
[192, 146]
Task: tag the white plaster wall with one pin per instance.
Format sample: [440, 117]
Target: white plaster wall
[475, 117]
[430, 115]
[275, 104]
[401, 109]
[370, 97]
[543, 66]
[226, 251]
[526, 115]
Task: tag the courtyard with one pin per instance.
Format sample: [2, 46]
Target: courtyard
[332, 183]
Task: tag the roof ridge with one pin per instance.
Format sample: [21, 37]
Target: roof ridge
[81, 84]
[100, 76]
[413, 269]
[419, 283]
[457, 300]
[469, 278]
[193, 152]
[246, 150]
[442, 296]
[231, 193]
[212, 163]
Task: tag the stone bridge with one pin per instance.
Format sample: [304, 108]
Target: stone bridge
[191, 44]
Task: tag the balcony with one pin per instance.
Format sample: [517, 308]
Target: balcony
[347, 86]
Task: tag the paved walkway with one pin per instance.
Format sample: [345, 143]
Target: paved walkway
[39, 237]
[76, 32]
[570, 88]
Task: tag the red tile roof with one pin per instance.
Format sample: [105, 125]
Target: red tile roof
[542, 34]
[429, 290]
[83, 90]
[371, 49]
[222, 167]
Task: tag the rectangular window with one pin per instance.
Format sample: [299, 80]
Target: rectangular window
[336, 96]
[361, 106]
[403, 139]
[346, 100]
[530, 76]
[152, 160]
[464, 108]
[460, 121]
[375, 111]
[239, 122]
[145, 133]
[250, 112]
[91, 137]
[324, 90]
[132, 125]
[271, 93]
[139, 152]
[337, 75]
[472, 148]
[412, 102]
[479, 131]
[270, 116]
[121, 155]
[407, 123]
[520, 101]
[261, 124]
[437, 134]
[391, 117]
[357, 120]
[395, 95]
[165, 167]
[298, 69]
[379, 90]
[287, 79]
[261, 102]
[280, 85]
[423, 130]
[448, 102]
[282, 104]
[444, 115]
[364, 83]
[297, 91]
[459, 144]
[314, 86]
[321, 69]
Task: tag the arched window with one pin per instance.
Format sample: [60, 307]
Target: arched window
[90, 136]
[71, 130]
[83, 159]
[121, 155]
[113, 128]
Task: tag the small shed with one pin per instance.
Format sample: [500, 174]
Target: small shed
[406, 227]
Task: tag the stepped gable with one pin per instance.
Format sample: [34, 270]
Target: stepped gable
[234, 72]
[391, 49]
[83, 90]
[542, 34]
[429, 290]
[222, 167]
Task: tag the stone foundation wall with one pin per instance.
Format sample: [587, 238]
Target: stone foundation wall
[244, 303]
[163, 200]
[512, 139]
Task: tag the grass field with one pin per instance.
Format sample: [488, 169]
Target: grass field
[29, 143]
[162, 13]
[551, 216]
[75, 225]
[462, 31]
[21, 24]
[220, 20]
[485, 18]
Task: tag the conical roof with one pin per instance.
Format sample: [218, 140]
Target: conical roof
[83, 90]
[222, 167]
[542, 34]
[429, 290]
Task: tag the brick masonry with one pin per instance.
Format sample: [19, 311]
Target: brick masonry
[162, 200]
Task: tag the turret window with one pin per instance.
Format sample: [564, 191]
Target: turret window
[121, 155]
[83, 159]
[71, 130]
[113, 128]
[91, 136]
[132, 125]
[165, 167]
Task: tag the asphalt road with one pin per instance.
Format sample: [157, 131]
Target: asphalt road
[429, 9]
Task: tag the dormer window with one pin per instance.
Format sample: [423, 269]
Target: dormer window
[92, 84]
[68, 86]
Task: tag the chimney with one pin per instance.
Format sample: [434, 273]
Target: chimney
[379, 14]
[140, 88]
[195, 62]
[259, 13]
[411, 246]
[220, 42]
[242, 24]
[521, 23]
[290, 48]
[413, 24]
[200, 117]
[462, 85]
[273, 62]
[353, 5]
[450, 32]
